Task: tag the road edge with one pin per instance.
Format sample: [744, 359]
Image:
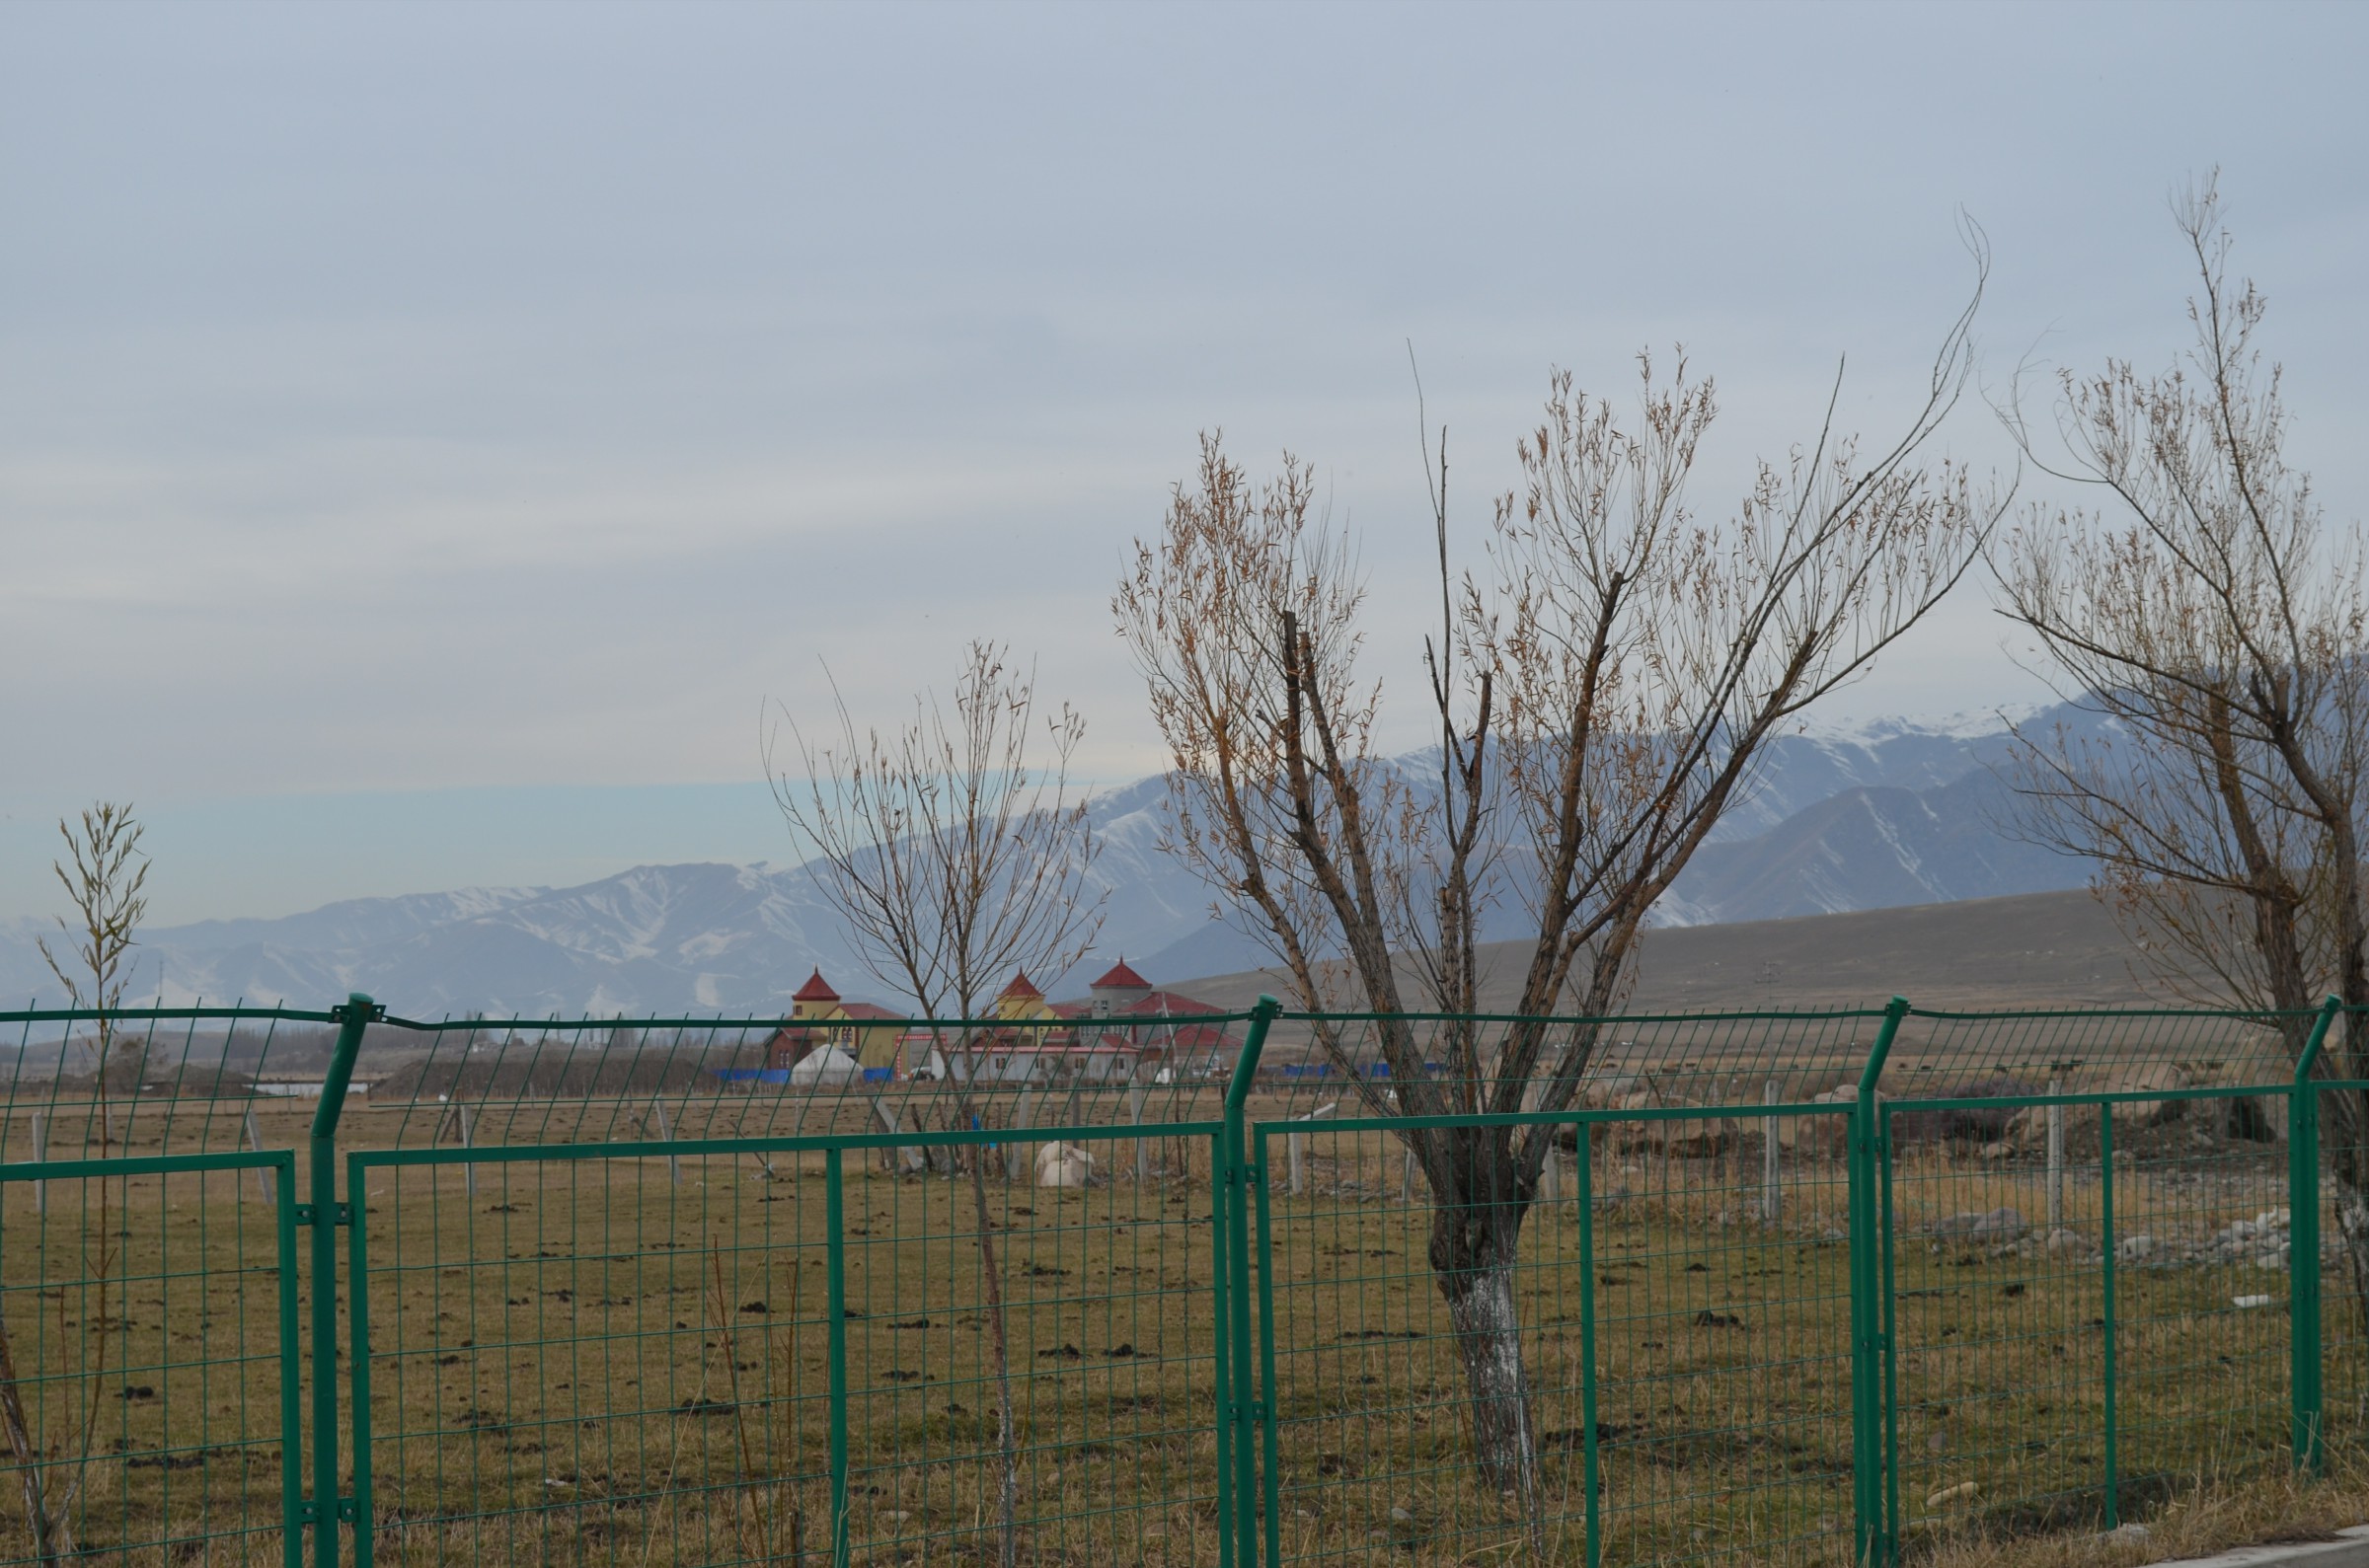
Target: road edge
[2349, 1551]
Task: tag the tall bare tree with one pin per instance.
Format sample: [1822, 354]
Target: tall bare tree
[2206, 611]
[1601, 690]
[105, 876]
[954, 859]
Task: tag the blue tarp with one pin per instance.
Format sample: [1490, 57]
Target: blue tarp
[780, 1075]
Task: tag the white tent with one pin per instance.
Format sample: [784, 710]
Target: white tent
[830, 1065]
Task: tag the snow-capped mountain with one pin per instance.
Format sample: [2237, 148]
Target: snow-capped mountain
[653, 939]
[1866, 817]
[1824, 761]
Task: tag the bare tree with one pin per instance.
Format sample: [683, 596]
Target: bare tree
[953, 856]
[954, 861]
[105, 876]
[2209, 616]
[1600, 693]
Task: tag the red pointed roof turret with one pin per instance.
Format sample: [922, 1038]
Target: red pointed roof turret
[1122, 978]
[817, 989]
[1019, 987]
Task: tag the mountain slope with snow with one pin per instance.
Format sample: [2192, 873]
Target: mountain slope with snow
[1878, 815]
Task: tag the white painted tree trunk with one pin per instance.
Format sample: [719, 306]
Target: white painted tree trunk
[1489, 1339]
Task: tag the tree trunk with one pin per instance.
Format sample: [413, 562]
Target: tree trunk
[1473, 1252]
[26, 1454]
[1007, 1438]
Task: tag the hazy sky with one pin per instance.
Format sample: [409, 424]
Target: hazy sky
[416, 419]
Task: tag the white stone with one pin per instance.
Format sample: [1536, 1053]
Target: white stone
[1996, 1226]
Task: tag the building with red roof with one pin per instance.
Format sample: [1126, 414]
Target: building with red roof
[1125, 1028]
[820, 1020]
[1125, 1010]
[1121, 979]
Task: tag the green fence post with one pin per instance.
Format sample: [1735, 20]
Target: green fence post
[834, 1218]
[1221, 1362]
[2304, 1346]
[357, 1331]
[1888, 1328]
[1238, 1404]
[1591, 1477]
[291, 1396]
[1868, 1461]
[1273, 1492]
[2106, 1246]
[327, 1508]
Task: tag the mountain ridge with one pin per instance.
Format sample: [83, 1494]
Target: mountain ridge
[1889, 814]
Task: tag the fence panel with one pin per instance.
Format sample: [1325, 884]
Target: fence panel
[1684, 1329]
[2087, 1293]
[148, 1376]
[1106, 1356]
[786, 1350]
[2050, 1374]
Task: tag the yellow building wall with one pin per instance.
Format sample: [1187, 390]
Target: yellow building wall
[1021, 1010]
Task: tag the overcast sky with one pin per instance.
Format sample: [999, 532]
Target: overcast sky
[417, 422]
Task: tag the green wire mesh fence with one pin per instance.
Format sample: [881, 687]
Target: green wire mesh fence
[148, 1370]
[1257, 1288]
[778, 1351]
